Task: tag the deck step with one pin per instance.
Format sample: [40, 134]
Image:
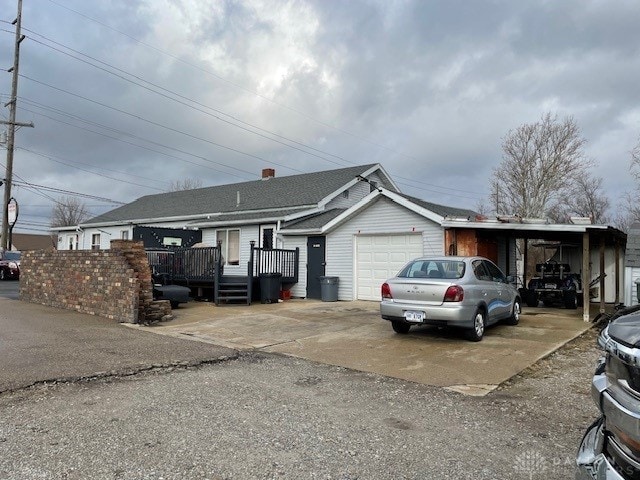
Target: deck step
[233, 297]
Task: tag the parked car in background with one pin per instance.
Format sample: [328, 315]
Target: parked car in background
[610, 449]
[467, 292]
[9, 264]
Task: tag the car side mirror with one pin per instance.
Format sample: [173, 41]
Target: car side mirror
[512, 279]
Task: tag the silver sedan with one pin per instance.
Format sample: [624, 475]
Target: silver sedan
[467, 292]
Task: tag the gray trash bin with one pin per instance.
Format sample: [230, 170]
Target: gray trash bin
[329, 289]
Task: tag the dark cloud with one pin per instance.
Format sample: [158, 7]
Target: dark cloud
[427, 88]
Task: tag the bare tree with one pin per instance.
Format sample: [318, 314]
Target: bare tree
[585, 198]
[68, 211]
[185, 184]
[632, 199]
[540, 162]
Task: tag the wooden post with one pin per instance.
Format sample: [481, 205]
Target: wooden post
[602, 274]
[586, 277]
[617, 270]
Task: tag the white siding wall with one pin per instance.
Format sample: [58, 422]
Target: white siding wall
[609, 269]
[247, 233]
[291, 243]
[356, 193]
[630, 296]
[384, 216]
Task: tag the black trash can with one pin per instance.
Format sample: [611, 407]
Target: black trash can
[329, 289]
[269, 287]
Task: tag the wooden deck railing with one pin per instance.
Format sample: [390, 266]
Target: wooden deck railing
[274, 260]
[187, 264]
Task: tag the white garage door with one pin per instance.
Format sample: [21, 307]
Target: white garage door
[379, 257]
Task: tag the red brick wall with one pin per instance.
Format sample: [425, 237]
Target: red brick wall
[113, 283]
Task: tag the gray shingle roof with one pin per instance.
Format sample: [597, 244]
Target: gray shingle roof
[277, 192]
[632, 254]
[441, 210]
[314, 221]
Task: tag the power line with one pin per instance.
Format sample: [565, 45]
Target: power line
[236, 85]
[53, 158]
[154, 150]
[199, 107]
[168, 128]
[235, 119]
[69, 192]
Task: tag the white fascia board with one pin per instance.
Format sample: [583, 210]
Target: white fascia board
[185, 218]
[383, 172]
[351, 183]
[222, 223]
[68, 228]
[322, 203]
[394, 197]
[141, 221]
[425, 212]
[351, 211]
[300, 231]
[554, 227]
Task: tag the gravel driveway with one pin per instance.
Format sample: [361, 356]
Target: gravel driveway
[269, 416]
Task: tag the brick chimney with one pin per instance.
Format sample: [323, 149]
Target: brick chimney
[268, 173]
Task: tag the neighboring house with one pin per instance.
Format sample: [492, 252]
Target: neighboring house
[632, 266]
[352, 223]
[30, 241]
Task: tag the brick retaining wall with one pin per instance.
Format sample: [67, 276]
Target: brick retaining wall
[113, 283]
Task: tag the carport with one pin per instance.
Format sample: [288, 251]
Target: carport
[601, 249]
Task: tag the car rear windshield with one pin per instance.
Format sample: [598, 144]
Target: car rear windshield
[450, 269]
[12, 255]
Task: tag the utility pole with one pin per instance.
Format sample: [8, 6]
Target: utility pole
[4, 239]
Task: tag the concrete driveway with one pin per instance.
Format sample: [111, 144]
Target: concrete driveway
[352, 335]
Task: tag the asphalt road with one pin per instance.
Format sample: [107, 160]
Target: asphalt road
[10, 289]
[265, 416]
[149, 415]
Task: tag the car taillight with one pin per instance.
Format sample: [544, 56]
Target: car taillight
[454, 293]
[386, 291]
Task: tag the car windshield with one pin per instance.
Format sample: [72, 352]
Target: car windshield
[12, 255]
[425, 268]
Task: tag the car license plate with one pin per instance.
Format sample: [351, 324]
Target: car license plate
[416, 317]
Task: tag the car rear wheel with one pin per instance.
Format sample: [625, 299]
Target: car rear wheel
[476, 333]
[532, 299]
[400, 327]
[514, 319]
[3, 276]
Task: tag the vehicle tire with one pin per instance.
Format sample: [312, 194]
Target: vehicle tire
[476, 333]
[532, 299]
[570, 299]
[514, 319]
[400, 327]
[174, 304]
[3, 275]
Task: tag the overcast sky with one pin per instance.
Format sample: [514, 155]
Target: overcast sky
[128, 96]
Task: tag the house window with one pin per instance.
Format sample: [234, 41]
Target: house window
[73, 242]
[124, 234]
[229, 241]
[95, 241]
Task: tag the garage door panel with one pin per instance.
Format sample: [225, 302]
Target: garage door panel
[379, 257]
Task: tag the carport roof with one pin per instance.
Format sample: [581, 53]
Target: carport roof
[537, 229]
